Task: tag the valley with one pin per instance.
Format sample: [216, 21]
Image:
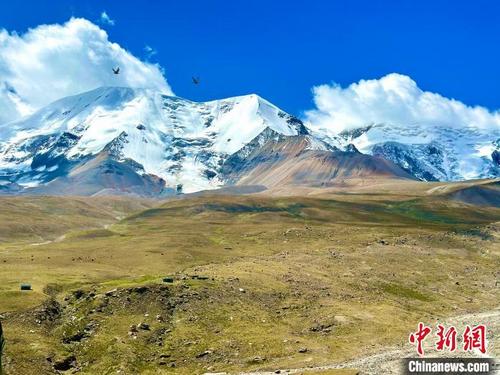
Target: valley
[249, 188]
[160, 235]
[279, 279]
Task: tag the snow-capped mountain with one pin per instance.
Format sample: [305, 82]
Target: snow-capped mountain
[138, 141]
[432, 154]
[303, 160]
[182, 142]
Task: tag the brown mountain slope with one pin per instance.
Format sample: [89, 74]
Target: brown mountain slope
[291, 161]
[102, 175]
[487, 194]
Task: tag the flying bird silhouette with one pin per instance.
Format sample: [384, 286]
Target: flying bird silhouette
[116, 70]
[196, 80]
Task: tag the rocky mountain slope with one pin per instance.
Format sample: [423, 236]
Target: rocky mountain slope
[116, 140]
[304, 161]
[437, 154]
[182, 143]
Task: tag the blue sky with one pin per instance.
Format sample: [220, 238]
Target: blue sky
[282, 49]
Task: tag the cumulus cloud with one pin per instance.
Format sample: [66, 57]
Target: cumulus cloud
[393, 99]
[53, 61]
[106, 20]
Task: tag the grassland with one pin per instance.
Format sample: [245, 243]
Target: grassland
[286, 282]
[32, 219]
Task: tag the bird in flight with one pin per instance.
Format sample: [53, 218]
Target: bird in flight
[116, 70]
[196, 80]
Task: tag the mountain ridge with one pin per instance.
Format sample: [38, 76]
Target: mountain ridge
[181, 141]
[442, 153]
[305, 161]
[167, 145]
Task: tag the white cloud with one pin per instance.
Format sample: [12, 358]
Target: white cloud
[106, 20]
[53, 61]
[393, 99]
[149, 51]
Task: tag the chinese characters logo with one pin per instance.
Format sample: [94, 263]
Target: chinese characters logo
[447, 338]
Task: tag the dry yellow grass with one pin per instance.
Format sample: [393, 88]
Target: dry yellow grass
[339, 277]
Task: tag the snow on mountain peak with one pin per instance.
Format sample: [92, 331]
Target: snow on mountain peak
[181, 141]
[441, 153]
[186, 143]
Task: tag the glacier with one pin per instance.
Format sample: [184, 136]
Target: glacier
[181, 141]
[181, 146]
[438, 153]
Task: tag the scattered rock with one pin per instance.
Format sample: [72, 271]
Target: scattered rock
[140, 289]
[77, 337]
[204, 354]
[303, 350]
[78, 293]
[133, 329]
[258, 359]
[49, 312]
[324, 328]
[65, 364]
[110, 292]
